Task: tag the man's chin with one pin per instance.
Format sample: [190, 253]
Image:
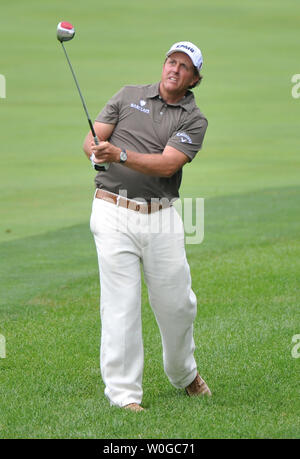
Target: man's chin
[172, 90]
[172, 87]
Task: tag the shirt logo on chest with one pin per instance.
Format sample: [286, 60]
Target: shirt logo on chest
[141, 106]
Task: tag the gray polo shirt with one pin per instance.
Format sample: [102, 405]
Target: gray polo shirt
[144, 123]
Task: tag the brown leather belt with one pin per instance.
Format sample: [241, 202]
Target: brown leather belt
[143, 207]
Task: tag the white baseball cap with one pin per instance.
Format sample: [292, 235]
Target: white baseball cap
[190, 49]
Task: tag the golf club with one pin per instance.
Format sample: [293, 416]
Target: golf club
[65, 32]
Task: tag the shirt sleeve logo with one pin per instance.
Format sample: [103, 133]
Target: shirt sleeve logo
[184, 137]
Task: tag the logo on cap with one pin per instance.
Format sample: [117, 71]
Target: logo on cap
[190, 49]
[186, 47]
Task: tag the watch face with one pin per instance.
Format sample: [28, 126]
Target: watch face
[123, 156]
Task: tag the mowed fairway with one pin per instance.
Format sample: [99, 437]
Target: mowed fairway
[245, 273]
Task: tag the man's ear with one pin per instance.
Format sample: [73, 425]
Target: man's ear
[194, 83]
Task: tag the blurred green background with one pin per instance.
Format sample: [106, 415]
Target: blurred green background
[250, 53]
[246, 271]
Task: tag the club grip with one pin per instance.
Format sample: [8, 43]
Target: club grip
[104, 166]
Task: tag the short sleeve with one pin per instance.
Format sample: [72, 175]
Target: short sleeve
[110, 113]
[189, 137]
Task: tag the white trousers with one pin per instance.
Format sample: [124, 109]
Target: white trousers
[125, 240]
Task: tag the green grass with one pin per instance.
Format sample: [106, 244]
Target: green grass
[246, 271]
[248, 294]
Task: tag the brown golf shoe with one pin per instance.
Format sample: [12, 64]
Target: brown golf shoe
[198, 387]
[134, 407]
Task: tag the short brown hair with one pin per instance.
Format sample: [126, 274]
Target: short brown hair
[196, 74]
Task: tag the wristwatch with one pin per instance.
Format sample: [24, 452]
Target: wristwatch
[123, 156]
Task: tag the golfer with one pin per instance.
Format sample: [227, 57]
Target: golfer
[147, 134]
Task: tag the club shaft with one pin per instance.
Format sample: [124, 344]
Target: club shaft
[81, 96]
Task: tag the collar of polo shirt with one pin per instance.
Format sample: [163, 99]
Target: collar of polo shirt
[187, 102]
